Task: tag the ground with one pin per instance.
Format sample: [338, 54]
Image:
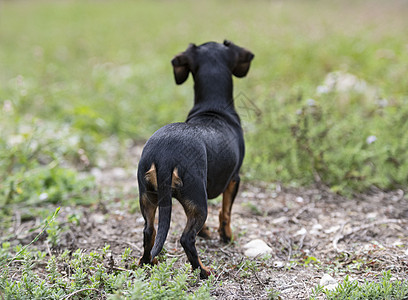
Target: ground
[312, 232]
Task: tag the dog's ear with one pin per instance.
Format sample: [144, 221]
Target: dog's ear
[180, 68]
[244, 58]
[181, 65]
[244, 62]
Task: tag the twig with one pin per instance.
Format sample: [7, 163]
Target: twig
[290, 249]
[48, 248]
[225, 252]
[289, 286]
[242, 265]
[302, 239]
[134, 246]
[306, 289]
[37, 237]
[175, 255]
[219, 275]
[340, 236]
[17, 222]
[79, 291]
[301, 211]
[119, 269]
[226, 246]
[257, 278]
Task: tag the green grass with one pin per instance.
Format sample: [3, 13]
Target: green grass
[74, 74]
[81, 275]
[103, 69]
[384, 288]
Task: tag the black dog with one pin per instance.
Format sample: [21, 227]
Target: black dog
[199, 159]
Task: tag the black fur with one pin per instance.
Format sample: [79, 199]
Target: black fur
[207, 150]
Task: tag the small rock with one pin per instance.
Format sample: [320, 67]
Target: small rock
[299, 200]
[372, 215]
[280, 220]
[279, 264]
[257, 247]
[398, 243]
[328, 282]
[399, 196]
[301, 231]
[344, 82]
[43, 196]
[316, 229]
[99, 218]
[332, 229]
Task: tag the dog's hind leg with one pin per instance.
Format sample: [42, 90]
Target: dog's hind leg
[196, 211]
[148, 206]
[228, 198]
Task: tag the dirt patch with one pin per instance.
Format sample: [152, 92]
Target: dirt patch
[311, 231]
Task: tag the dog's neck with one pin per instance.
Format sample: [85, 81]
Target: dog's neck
[213, 89]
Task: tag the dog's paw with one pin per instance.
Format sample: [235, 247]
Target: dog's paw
[205, 233]
[206, 272]
[226, 235]
[145, 261]
[154, 261]
[227, 239]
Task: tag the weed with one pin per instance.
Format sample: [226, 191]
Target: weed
[248, 267]
[273, 294]
[385, 288]
[88, 274]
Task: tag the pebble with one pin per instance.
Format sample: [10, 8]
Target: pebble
[257, 247]
[328, 282]
[316, 229]
[301, 231]
[279, 264]
[280, 220]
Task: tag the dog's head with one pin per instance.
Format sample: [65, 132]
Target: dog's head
[235, 58]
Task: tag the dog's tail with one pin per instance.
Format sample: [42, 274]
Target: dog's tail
[166, 181]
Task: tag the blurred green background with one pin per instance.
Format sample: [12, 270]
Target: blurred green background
[325, 100]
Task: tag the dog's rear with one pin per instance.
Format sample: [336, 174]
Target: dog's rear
[198, 159]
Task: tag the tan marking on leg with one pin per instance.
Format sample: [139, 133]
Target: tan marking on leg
[175, 179]
[149, 212]
[225, 212]
[205, 271]
[196, 216]
[151, 176]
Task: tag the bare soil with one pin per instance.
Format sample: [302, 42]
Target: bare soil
[312, 231]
